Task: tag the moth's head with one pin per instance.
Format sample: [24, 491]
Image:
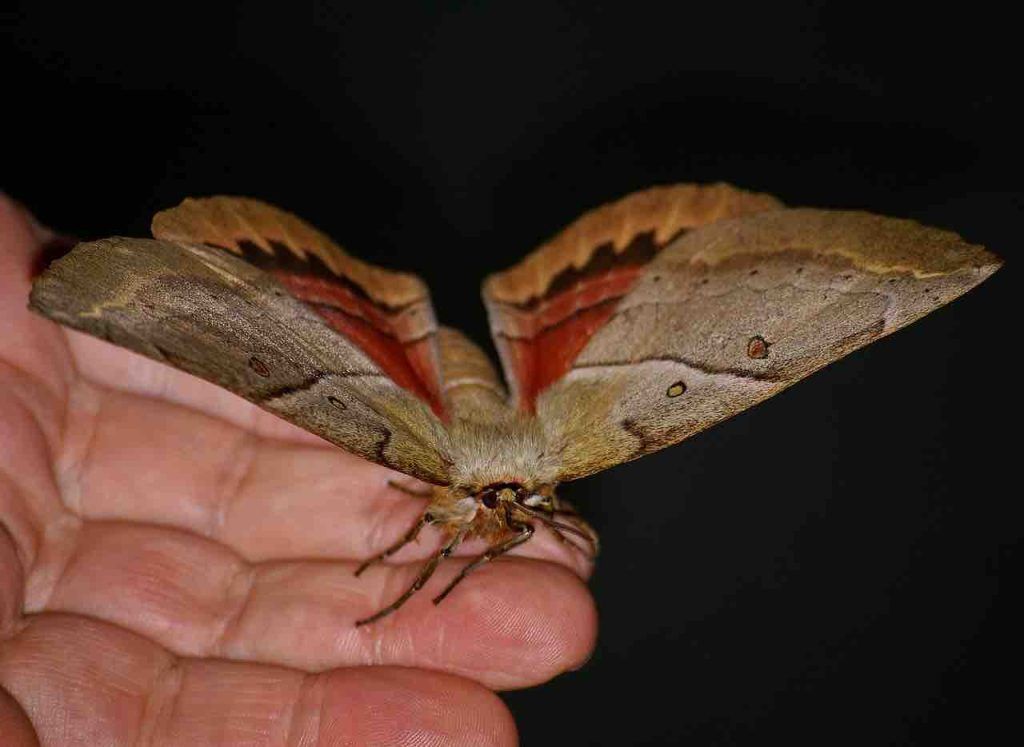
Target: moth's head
[498, 495]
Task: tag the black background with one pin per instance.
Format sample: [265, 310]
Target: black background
[838, 565]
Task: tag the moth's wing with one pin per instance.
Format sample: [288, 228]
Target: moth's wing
[733, 313]
[545, 309]
[387, 314]
[208, 312]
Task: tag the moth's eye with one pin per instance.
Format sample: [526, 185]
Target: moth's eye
[676, 389]
[489, 498]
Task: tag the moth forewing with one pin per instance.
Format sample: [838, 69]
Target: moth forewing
[734, 312]
[218, 317]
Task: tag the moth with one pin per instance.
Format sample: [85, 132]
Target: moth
[643, 322]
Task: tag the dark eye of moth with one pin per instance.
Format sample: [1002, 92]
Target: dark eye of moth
[489, 498]
[757, 347]
[259, 367]
[676, 389]
[336, 402]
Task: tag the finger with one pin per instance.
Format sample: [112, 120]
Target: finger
[28, 343]
[83, 682]
[264, 499]
[513, 623]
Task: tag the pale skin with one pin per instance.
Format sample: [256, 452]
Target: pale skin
[177, 567]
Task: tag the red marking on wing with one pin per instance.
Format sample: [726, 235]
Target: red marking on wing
[372, 330]
[552, 335]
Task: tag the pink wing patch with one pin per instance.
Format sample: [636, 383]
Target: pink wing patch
[391, 338]
[555, 334]
[540, 339]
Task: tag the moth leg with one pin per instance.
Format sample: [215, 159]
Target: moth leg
[421, 579]
[569, 543]
[409, 536]
[561, 507]
[578, 528]
[410, 491]
[524, 532]
[591, 537]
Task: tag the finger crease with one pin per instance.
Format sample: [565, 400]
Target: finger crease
[60, 542]
[297, 731]
[160, 701]
[27, 540]
[237, 469]
[70, 467]
[24, 373]
[236, 597]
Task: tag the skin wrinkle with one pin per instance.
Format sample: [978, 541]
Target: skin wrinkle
[154, 705]
[26, 547]
[68, 468]
[238, 467]
[37, 505]
[56, 395]
[246, 574]
[319, 686]
[289, 719]
[60, 538]
[29, 402]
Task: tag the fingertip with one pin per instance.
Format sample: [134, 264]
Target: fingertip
[398, 706]
[539, 623]
[512, 624]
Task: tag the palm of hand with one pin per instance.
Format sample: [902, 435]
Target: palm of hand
[176, 566]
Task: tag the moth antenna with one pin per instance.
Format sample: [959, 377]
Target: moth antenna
[409, 536]
[421, 579]
[525, 531]
[560, 526]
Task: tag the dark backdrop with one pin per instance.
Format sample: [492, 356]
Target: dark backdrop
[838, 565]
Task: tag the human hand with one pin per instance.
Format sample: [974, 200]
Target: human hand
[176, 567]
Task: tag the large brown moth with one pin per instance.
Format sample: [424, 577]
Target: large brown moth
[643, 322]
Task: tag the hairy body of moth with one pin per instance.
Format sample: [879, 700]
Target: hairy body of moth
[642, 323]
